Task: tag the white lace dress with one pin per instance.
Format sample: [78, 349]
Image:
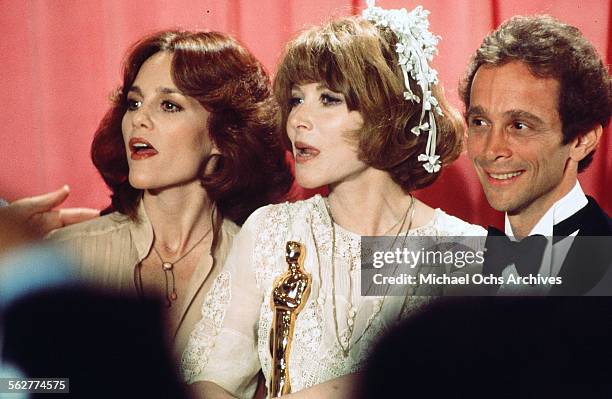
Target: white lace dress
[231, 342]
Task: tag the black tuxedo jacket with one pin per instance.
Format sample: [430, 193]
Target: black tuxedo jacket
[587, 268]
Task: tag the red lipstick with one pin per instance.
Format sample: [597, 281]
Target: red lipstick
[141, 149]
[304, 152]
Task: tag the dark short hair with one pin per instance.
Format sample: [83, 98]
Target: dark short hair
[353, 57]
[552, 49]
[233, 86]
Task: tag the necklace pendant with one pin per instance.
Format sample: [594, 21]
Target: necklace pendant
[173, 296]
[167, 266]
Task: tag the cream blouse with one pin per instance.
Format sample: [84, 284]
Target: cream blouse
[108, 248]
[231, 343]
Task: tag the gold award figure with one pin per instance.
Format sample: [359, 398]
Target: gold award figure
[289, 295]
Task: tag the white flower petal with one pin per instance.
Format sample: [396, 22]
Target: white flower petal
[415, 46]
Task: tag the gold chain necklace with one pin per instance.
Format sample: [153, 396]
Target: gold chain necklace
[168, 268]
[344, 341]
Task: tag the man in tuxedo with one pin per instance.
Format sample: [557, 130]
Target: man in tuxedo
[537, 98]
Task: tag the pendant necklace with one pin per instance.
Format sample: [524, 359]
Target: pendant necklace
[344, 341]
[168, 268]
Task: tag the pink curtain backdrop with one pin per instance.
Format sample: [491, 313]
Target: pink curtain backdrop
[61, 59]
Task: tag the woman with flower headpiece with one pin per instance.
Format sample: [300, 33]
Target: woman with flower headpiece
[364, 117]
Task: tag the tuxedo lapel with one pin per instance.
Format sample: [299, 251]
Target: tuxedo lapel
[589, 258]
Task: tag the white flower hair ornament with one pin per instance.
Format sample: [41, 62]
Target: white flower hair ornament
[416, 45]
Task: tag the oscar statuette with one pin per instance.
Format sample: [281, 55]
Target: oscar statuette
[289, 295]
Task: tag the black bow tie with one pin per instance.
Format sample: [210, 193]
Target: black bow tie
[526, 255]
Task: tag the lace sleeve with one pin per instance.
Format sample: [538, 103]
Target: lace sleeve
[201, 338]
[222, 348]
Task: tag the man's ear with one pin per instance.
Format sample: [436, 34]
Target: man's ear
[585, 143]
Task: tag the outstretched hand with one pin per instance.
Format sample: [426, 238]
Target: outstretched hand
[37, 213]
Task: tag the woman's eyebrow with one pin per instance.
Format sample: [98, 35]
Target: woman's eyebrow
[169, 90]
[135, 89]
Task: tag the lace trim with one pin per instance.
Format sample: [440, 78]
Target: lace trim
[315, 352]
[319, 359]
[201, 339]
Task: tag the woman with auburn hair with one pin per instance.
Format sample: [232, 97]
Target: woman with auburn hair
[364, 117]
[189, 149]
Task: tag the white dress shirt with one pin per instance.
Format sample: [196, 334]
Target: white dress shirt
[553, 258]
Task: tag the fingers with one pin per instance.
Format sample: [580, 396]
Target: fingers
[42, 223]
[70, 216]
[41, 203]
[38, 214]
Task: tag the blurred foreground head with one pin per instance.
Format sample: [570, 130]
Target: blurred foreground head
[497, 348]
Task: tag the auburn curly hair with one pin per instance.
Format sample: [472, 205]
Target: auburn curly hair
[233, 86]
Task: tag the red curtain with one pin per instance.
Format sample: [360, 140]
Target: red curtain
[61, 59]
